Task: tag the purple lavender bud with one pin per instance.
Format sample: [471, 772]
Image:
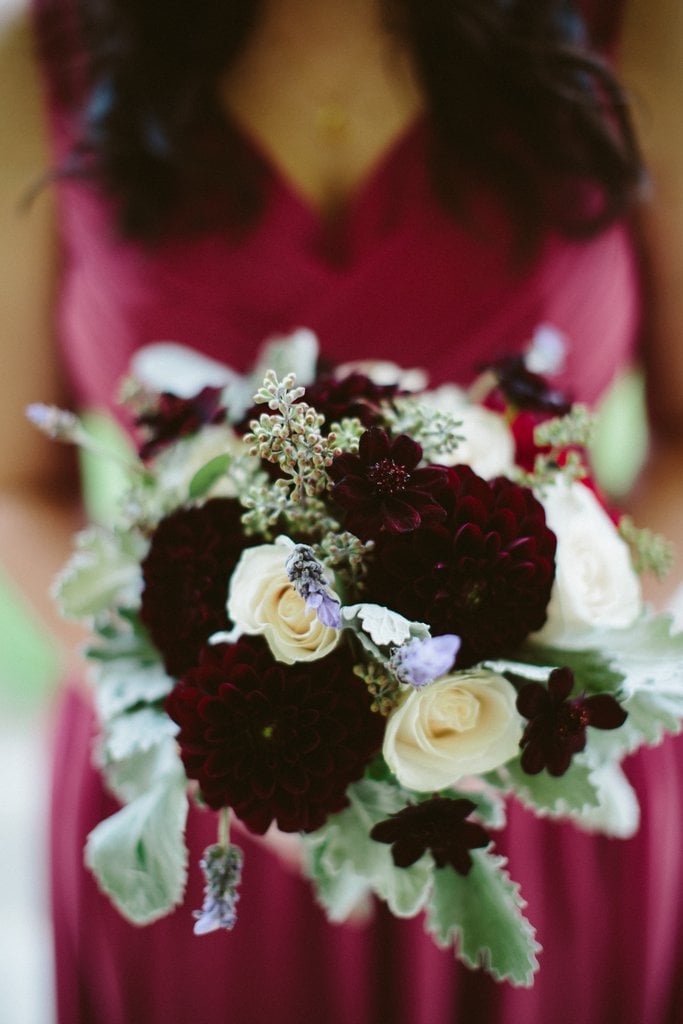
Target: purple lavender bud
[222, 867]
[326, 607]
[422, 661]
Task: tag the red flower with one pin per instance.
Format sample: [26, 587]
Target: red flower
[485, 574]
[186, 574]
[557, 726]
[381, 488]
[173, 418]
[275, 742]
[437, 825]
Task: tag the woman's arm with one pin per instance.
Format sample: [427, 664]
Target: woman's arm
[652, 70]
[38, 504]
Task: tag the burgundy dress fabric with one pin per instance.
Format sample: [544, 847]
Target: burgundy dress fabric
[395, 280]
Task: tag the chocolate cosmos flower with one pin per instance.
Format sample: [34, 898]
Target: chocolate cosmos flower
[485, 574]
[382, 490]
[173, 418]
[186, 574]
[557, 725]
[524, 389]
[437, 825]
[275, 742]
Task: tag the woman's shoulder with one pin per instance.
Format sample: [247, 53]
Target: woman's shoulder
[22, 121]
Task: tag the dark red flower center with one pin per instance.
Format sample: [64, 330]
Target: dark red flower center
[573, 718]
[388, 477]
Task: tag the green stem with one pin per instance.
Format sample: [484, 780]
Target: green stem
[224, 827]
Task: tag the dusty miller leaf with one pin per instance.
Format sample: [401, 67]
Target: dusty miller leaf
[138, 855]
[481, 915]
[345, 862]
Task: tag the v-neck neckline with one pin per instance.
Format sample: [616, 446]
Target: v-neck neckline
[327, 223]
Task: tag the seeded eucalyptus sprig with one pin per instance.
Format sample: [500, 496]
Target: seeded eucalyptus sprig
[346, 555]
[291, 438]
[437, 432]
[650, 552]
[573, 431]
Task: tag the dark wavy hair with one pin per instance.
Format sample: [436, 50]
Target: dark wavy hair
[515, 100]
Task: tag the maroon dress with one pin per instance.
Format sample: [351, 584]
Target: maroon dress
[396, 279]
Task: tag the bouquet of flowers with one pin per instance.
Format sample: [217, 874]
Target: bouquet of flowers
[369, 613]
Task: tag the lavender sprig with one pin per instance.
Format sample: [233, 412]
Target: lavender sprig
[307, 575]
[222, 867]
[421, 661]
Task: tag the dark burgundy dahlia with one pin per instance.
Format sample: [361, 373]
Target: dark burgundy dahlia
[274, 742]
[172, 418]
[186, 574]
[354, 395]
[438, 825]
[557, 724]
[484, 574]
[382, 490]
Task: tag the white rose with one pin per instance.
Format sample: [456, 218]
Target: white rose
[487, 446]
[383, 372]
[262, 601]
[463, 724]
[595, 585]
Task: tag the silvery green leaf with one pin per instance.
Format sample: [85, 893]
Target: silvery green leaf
[120, 636]
[103, 572]
[139, 772]
[384, 627]
[134, 732]
[122, 683]
[522, 669]
[568, 796]
[345, 862]
[138, 855]
[481, 915]
[649, 658]
[489, 796]
[617, 813]
[594, 667]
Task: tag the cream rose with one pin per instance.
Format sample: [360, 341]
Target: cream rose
[487, 445]
[463, 724]
[595, 583]
[262, 601]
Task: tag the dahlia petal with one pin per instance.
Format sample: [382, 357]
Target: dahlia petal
[430, 478]
[469, 539]
[429, 510]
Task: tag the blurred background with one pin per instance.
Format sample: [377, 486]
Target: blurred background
[28, 691]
